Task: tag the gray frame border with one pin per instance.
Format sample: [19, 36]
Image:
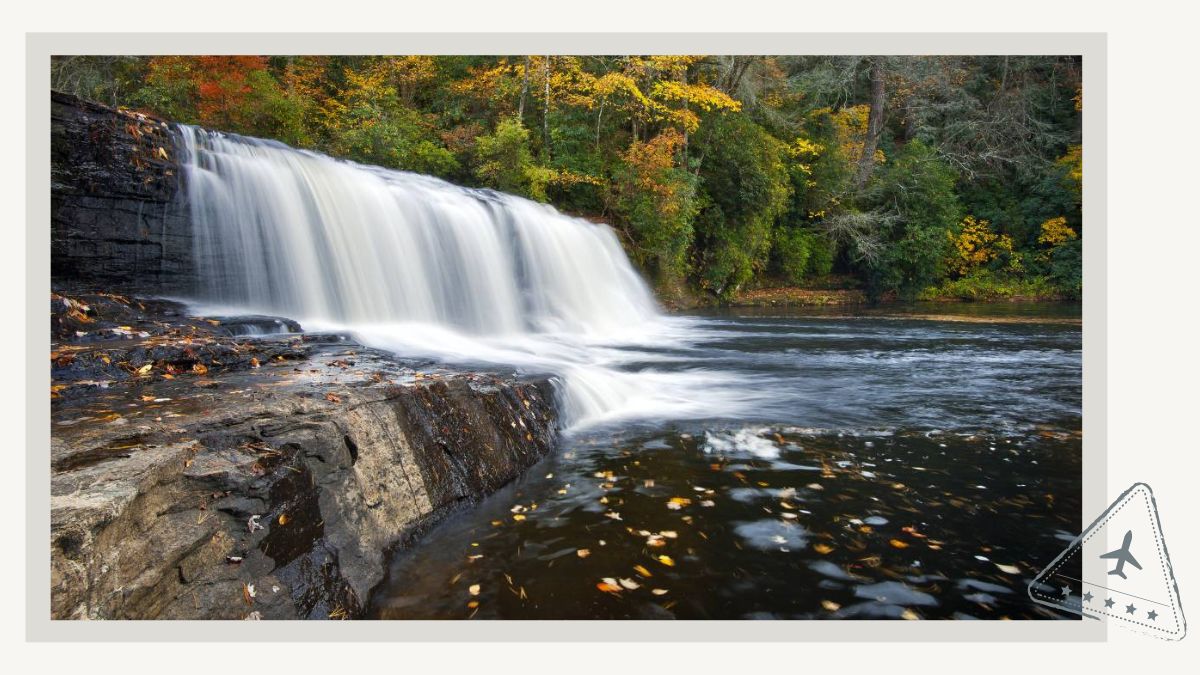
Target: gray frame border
[39, 47]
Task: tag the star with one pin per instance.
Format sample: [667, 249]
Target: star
[1087, 597]
[1130, 609]
[1108, 602]
[1066, 591]
[1152, 615]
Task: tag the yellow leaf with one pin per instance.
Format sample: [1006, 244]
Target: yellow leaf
[896, 543]
[666, 560]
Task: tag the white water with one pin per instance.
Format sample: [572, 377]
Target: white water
[421, 267]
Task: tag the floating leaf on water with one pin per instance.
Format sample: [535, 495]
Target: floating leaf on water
[823, 549]
[1008, 569]
[642, 571]
[666, 560]
[612, 514]
[909, 615]
[473, 589]
[676, 503]
[583, 552]
[518, 517]
[830, 605]
[630, 584]
[283, 519]
[896, 543]
[659, 591]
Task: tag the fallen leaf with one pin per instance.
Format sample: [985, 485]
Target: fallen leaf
[896, 543]
[666, 560]
[583, 552]
[474, 589]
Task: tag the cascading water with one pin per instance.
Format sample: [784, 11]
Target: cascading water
[423, 267]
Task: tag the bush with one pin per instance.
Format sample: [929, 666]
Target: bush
[800, 253]
[746, 187]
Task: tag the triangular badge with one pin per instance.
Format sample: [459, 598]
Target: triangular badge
[1118, 570]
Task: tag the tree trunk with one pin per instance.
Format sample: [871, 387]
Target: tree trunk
[524, 92]
[866, 163]
[546, 112]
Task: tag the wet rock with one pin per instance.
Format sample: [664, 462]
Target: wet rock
[117, 220]
[275, 486]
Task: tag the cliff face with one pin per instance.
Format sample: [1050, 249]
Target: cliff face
[118, 219]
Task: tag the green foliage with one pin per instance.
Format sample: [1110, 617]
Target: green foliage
[658, 201]
[746, 187]
[1066, 269]
[799, 254]
[919, 188]
[717, 171]
[505, 161]
[984, 285]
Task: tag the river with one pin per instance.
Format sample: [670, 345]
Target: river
[914, 464]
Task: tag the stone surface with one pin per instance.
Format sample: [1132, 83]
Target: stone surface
[118, 216]
[174, 443]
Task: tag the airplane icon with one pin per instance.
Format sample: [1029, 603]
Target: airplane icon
[1122, 556]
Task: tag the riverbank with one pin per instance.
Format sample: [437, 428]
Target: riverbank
[200, 471]
[796, 296]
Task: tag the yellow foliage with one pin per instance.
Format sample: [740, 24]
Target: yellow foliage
[850, 126]
[1056, 231]
[1073, 161]
[976, 245]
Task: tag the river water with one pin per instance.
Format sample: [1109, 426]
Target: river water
[745, 464]
[913, 464]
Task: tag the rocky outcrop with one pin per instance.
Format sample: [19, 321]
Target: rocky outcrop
[118, 218]
[232, 467]
[197, 474]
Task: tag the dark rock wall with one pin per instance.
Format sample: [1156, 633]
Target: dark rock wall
[118, 217]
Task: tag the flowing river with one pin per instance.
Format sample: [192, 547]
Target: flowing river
[746, 464]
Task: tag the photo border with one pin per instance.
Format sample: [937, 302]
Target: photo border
[40, 46]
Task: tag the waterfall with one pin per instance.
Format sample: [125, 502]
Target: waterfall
[303, 234]
[419, 266]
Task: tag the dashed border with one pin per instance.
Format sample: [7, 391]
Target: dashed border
[1167, 570]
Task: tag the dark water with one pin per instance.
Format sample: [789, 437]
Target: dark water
[902, 465]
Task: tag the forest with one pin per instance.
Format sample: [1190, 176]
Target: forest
[930, 177]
